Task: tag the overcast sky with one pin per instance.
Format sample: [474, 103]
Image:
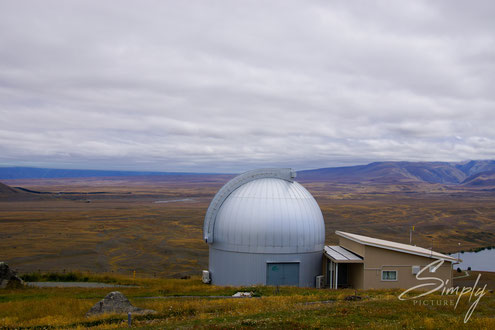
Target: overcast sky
[235, 85]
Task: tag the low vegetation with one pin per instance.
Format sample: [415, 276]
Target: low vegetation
[68, 277]
[189, 303]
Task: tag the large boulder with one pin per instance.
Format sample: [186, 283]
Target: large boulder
[116, 303]
[8, 278]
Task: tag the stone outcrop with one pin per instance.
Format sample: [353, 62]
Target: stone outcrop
[116, 303]
[242, 295]
[8, 278]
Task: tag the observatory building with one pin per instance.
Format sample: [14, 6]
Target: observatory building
[262, 227]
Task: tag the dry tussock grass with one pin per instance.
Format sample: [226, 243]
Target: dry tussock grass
[287, 308]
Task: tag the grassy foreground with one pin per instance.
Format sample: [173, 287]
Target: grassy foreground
[286, 308]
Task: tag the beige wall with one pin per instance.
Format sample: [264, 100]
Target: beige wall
[352, 246]
[324, 267]
[378, 259]
[355, 276]
[368, 275]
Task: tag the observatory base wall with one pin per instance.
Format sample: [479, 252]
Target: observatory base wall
[240, 268]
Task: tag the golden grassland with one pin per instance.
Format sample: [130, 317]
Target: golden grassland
[288, 307]
[124, 230]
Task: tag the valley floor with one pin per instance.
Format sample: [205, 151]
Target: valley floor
[154, 225]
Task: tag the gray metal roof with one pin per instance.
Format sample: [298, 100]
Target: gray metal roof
[341, 255]
[287, 174]
[268, 215]
[394, 246]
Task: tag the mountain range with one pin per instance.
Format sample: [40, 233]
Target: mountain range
[469, 173]
[473, 173]
[50, 173]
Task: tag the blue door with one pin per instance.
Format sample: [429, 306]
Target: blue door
[282, 273]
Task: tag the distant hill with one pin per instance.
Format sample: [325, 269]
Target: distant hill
[403, 172]
[474, 167]
[7, 191]
[45, 173]
[473, 173]
[483, 179]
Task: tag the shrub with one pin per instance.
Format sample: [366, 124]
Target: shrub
[55, 277]
[32, 277]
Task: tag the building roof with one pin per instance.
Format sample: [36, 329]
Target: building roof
[287, 174]
[269, 215]
[394, 246]
[340, 255]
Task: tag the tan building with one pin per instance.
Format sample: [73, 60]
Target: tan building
[363, 262]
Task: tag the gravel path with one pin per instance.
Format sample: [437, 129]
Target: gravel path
[77, 285]
[194, 297]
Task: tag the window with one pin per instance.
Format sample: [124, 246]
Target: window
[389, 275]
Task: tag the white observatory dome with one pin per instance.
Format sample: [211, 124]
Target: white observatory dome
[270, 215]
[262, 227]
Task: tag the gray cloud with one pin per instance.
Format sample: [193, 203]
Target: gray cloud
[232, 85]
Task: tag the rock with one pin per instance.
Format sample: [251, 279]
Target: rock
[116, 303]
[353, 298]
[243, 295]
[8, 278]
